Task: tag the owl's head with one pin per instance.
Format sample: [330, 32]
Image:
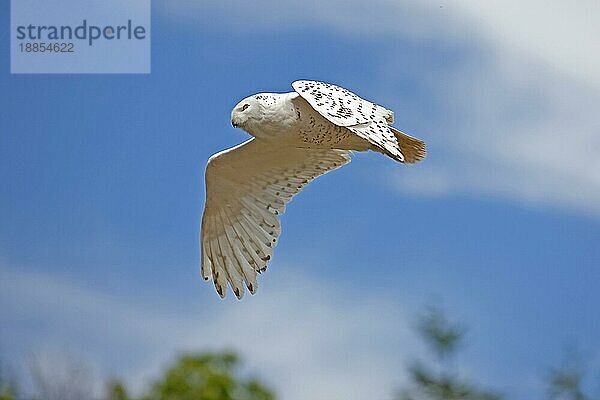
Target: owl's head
[255, 111]
[248, 111]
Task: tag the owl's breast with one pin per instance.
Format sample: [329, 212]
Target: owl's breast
[313, 130]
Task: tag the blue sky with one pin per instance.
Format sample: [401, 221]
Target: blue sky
[103, 193]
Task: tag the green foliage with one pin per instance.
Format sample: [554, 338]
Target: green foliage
[426, 385]
[207, 377]
[7, 393]
[116, 390]
[566, 381]
[440, 334]
[566, 384]
[8, 389]
[216, 376]
[441, 382]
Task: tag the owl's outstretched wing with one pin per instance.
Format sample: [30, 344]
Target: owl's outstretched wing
[247, 188]
[362, 117]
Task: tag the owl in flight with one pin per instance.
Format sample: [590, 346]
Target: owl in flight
[297, 137]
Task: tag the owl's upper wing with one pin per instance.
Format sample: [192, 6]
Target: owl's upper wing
[340, 106]
[344, 108]
[247, 188]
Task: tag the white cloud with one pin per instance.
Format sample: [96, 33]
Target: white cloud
[313, 344]
[300, 338]
[519, 131]
[563, 34]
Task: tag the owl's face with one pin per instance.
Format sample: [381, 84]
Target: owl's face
[262, 115]
[246, 112]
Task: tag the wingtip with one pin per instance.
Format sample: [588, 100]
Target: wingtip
[252, 288]
[220, 290]
[239, 292]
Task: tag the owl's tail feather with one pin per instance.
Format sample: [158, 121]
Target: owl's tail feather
[413, 149]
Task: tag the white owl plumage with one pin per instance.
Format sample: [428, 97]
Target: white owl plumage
[297, 137]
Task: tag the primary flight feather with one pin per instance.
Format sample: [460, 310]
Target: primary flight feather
[297, 136]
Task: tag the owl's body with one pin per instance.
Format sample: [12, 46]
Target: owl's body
[288, 118]
[297, 137]
[314, 131]
[293, 122]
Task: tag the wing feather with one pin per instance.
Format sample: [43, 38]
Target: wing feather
[247, 188]
[249, 247]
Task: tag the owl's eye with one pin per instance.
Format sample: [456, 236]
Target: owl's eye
[245, 106]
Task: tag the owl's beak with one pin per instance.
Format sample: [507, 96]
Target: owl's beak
[234, 124]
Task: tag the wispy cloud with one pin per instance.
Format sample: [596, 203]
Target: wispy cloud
[562, 34]
[518, 130]
[302, 339]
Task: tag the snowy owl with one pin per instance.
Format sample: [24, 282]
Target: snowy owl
[297, 137]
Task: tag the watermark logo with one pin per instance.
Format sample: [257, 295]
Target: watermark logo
[80, 36]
